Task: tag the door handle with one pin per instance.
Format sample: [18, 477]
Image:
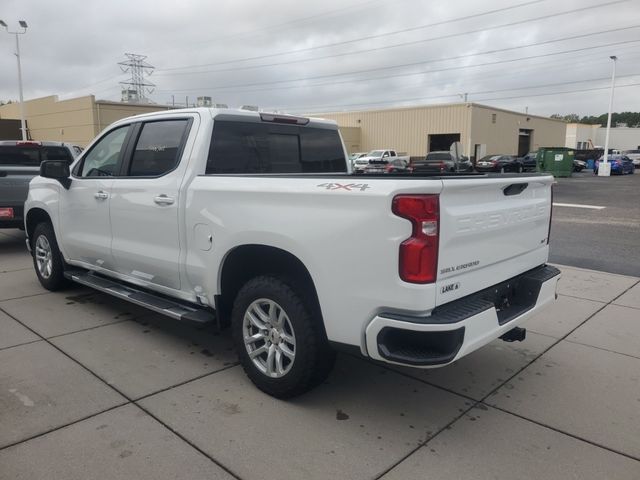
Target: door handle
[163, 200]
[101, 195]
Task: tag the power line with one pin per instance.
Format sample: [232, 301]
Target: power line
[560, 93]
[458, 67]
[414, 42]
[483, 92]
[360, 39]
[423, 62]
[329, 13]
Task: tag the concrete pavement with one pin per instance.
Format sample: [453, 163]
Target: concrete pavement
[95, 388]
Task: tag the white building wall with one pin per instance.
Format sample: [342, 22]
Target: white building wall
[620, 138]
[582, 136]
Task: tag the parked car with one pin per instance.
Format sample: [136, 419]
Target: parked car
[499, 163]
[620, 164]
[19, 163]
[442, 162]
[385, 155]
[579, 165]
[180, 211]
[392, 166]
[354, 156]
[634, 155]
[529, 162]
[359, 165]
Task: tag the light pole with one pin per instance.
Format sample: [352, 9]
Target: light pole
[23, 25]
[606, 171]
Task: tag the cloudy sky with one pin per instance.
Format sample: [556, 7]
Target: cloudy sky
[551, 56]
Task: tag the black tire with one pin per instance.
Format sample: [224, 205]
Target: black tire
[55, 280]
[314, 358]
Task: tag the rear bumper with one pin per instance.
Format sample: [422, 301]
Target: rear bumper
[458, 328]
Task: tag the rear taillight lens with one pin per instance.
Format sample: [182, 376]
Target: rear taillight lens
[419, 253]
[6, 213]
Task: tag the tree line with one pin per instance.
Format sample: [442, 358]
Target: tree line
[632, 119]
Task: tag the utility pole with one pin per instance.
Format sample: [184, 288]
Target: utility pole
[606, 171]
[23, 25]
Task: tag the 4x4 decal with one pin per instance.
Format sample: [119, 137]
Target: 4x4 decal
[348, 186]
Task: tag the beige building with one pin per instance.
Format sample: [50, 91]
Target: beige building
[481, 129]
[76, 121]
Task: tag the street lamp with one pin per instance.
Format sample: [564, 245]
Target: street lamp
[23, 25]
[606, 171]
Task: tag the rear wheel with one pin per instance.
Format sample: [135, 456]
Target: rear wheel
[278, 337]
[47, 259]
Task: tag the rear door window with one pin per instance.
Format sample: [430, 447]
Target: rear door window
[158, 148]
[252, 147]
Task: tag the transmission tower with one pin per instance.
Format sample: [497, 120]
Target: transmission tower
[136, 89]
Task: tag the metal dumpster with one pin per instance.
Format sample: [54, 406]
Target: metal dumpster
[557, 161]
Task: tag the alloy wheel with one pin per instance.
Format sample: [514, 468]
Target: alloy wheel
[269, 337]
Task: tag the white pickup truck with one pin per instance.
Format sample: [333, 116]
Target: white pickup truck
[253, 220]
[377, 158]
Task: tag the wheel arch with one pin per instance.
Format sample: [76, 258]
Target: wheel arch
[33, 218]
[247, 261]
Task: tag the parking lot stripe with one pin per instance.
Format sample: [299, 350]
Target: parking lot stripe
[576, 205]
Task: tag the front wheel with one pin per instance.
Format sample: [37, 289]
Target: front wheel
[47, 259]
[279, 337]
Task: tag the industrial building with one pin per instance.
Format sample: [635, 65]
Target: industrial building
[76, 121]
[481, 129]
[584, 137]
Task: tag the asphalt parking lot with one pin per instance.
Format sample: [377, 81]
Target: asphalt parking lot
[94, 388]
[606, 239]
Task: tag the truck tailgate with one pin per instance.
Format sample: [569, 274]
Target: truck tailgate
[14, 183]
[491, 229]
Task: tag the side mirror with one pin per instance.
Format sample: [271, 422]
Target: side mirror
[58, 170]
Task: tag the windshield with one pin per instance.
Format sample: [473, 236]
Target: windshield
[490, 158]
[375, 153]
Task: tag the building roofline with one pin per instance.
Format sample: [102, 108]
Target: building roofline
[437, 105]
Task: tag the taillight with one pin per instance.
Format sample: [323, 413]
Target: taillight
[443, 166]
[419, 253]
[6, 213]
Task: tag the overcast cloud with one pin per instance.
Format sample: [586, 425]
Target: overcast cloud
[243, 52]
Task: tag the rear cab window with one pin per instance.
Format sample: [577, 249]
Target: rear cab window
[239, 146]
[32, 156]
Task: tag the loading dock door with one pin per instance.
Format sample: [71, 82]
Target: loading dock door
[442, 141]
[524, 142]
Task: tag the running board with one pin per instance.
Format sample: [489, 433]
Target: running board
[157, 303]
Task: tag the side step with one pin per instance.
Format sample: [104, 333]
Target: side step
[171, 308]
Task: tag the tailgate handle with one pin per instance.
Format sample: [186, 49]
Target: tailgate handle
[515, 188]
